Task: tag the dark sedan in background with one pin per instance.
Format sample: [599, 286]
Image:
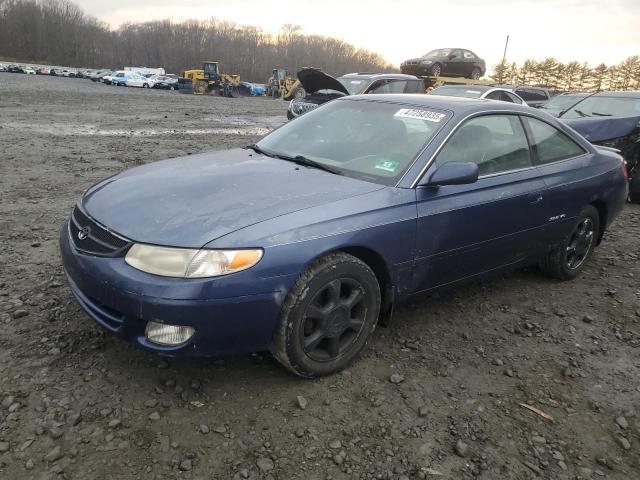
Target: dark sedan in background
[302, 243]
[321, 87]
[448, 62]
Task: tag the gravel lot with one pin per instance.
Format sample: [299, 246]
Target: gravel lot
[436, 395]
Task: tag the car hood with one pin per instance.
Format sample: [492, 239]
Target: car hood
[598, 129]
[190, 201]
[313, 80]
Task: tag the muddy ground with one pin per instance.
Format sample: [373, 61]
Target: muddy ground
[77, 403]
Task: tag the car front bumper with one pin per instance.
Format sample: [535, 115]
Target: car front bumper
[123, 300]
[416, 69]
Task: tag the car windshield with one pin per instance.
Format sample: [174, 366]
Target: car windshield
[605, 106]
[561, 102]
[440, 52]
[365, 139]
[457, 92]
[353, 85]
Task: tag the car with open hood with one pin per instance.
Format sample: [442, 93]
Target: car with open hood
[611, 119]
[447, 62]
[321, 87]
[303, 243]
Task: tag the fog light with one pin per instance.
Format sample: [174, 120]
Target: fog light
[168, 334]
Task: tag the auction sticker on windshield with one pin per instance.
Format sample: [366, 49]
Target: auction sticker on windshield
[428, 115]
[387, 165]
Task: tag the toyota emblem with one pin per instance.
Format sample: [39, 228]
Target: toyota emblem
[83, 233]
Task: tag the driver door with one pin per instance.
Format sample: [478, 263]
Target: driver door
[454, 63]
[464, 231]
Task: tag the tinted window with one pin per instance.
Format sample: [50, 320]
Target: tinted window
[468, 55]
[456, 54]
[414, 86]
[499, 95]
[532, 95]
[390, 86]
[497, 143]
[550, 143]
[513, 98]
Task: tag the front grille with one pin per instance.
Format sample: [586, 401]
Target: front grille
[299, 108]
[90, 237]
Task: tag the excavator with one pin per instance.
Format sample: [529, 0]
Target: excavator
[209, 80]
[281, 85]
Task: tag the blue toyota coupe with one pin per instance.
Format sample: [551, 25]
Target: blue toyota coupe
[302, 243]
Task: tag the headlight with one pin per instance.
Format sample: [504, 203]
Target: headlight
[426, 62]
[188, 263]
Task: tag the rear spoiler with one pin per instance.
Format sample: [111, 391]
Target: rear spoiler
[599, 129]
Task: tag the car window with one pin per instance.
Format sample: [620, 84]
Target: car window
[497, 143]
[414, 86]
[390, 86]
[456, 54]
[605, 106]
[531, 95]
[468, 55]
[514, 98]
[550, 143]
[499, 95]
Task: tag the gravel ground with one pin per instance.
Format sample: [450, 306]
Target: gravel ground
[439, 394]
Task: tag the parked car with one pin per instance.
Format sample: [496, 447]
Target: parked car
[320, 87]
[3, 68]
[118, 79]
[449, 62]
[133, 79]
[611, 119]
[478, 91]
[29, 71]
[42, 71]
[107, 76]
[15, 69]
[303, 242]
[534, 96]
[55, 72]
[562, 102]
[165, 82]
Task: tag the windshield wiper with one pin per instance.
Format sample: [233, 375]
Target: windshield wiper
[307, 162]
[257, 149]
[602, 114]
[580, 112]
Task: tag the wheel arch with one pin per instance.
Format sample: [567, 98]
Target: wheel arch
[377, 263]
[601, 207]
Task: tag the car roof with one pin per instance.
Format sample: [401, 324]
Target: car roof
[480, 88]
[618, 94]
[509, 87]
[378, 76]
[457, 105]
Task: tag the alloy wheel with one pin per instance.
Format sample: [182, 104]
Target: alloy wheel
[334, 319]
[580, 243]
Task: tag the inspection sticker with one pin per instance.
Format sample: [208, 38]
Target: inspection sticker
[420, 114]
[387, 165]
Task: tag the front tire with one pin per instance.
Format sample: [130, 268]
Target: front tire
[327, 317]
[568, 260]
[436, 70]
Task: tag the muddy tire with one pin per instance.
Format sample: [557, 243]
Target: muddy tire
[327, 317]
[568, 260]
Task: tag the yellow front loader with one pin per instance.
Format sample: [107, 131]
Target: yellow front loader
[209, 80]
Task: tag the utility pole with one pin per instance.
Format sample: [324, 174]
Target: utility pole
[504, 55]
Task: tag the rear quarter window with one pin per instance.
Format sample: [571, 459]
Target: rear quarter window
[550, 144]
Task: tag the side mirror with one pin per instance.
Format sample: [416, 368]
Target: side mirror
[452, 173]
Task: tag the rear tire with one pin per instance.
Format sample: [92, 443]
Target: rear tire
[475, 74]
[327, 317]
[566, 261]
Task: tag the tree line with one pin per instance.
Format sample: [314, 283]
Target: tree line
[58, 32]
[571, 76]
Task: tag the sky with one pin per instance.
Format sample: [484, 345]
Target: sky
[603, 31]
